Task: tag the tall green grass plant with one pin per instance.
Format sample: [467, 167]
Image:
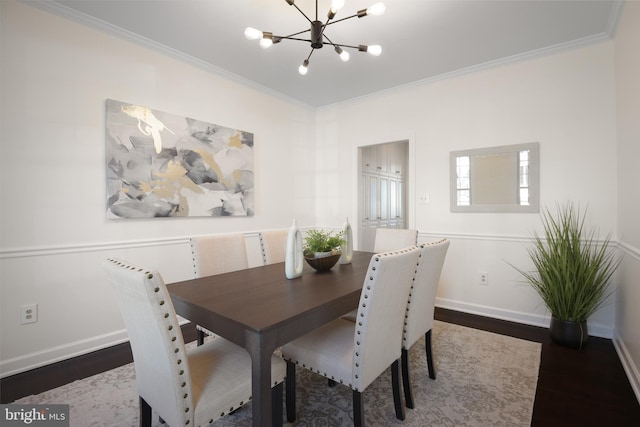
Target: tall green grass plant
[574, 268]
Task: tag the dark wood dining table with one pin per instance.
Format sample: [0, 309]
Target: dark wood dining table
[260, 310]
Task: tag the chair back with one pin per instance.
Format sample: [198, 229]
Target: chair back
[219, 253]
[391, 239]
[159, 356]
[383, 301]
[422, 299]
[274, 245]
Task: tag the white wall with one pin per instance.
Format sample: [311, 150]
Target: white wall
[565, 101]
[56, 76]
[627, 66]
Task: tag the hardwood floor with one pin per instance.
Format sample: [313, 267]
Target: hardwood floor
[585, 387]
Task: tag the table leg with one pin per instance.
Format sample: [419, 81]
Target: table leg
[261, 352]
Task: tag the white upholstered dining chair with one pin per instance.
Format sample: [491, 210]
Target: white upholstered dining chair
[356, 353]
[420, 309]
[391, 239]
[217, 254]
[185, 388]
[274, 245]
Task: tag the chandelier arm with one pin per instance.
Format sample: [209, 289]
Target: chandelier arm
[344, 45]
[323, 27]
[342, 19]
[329, 40]
[291, 38]
[304, 14]
[295, 34]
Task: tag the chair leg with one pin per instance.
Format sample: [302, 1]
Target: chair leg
[276, 402]
[291, 391]
[145, 413]
[358, 409]
[200, 337]
[395, 383]
[427, 345]
[406, 382]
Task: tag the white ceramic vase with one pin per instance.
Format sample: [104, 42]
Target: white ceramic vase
[293, 261]
[347, 249]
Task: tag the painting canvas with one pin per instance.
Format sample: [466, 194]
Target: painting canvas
[163, 165]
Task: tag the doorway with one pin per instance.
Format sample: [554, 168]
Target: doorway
[382, 189]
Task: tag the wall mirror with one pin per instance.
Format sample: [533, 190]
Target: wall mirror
[495, 179]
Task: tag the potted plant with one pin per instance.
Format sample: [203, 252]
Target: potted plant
[573, 272]
[322, 249]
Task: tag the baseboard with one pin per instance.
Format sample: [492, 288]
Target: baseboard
[595, 329]
[627, 363]
[52, 355]
[56, 374]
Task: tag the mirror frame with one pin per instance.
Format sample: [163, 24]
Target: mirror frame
[534, 179]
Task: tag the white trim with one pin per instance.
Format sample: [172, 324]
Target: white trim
[52, 355]
[614, 18]
[466, 236]
[595, 329]
[48, 356]
[632, 251]
[100, 25]
[537, 53]
[129, 244]
[89, 247]
[627, 363]
[74, 15]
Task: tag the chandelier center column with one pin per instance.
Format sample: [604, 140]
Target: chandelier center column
[316, 34]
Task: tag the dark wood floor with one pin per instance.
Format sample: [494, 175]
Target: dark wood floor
[585, 387]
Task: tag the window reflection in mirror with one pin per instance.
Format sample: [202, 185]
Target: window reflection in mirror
[495, 179]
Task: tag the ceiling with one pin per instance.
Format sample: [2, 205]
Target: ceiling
[421, 39]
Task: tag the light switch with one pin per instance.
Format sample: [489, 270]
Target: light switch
[424, 198]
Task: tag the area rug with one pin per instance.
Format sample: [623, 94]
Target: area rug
[483, 379]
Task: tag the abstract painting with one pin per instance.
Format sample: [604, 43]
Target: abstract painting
[163, 165]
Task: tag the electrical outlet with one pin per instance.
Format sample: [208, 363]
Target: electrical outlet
[483, 277]
[28, 313]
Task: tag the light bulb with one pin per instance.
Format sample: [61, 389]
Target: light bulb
[374, 49]
[344, 55]
[376, 9]
[336, 5]
[252, 33]
[304, 68]
[266, 42]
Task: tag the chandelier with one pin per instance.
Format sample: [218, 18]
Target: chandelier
[317, 35]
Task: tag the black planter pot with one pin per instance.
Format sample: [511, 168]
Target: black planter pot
[568, 333]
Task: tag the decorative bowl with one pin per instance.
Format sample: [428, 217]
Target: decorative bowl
[324, 263]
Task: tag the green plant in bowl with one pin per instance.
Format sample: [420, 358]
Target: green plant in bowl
[322, 242]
